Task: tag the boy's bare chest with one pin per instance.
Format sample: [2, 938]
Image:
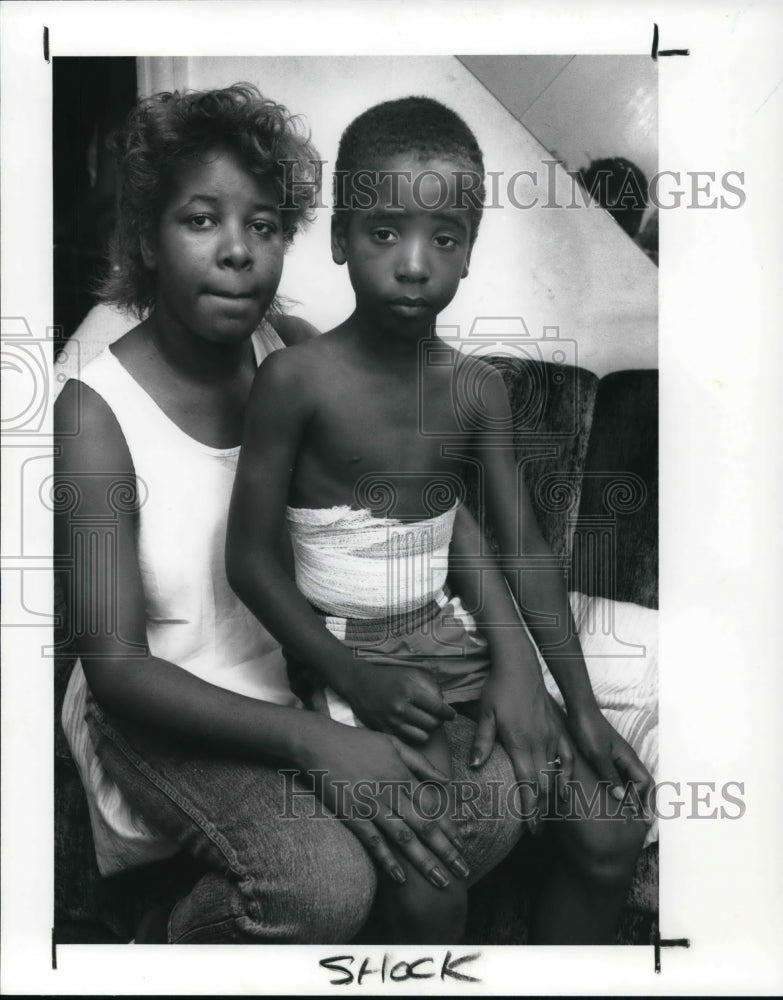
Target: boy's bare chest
[366, 445]
[380, 426]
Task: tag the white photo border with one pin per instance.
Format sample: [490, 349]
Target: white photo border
[721, 686]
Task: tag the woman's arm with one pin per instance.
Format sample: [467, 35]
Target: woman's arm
[107, 607]
[95, 547]
[405, 702]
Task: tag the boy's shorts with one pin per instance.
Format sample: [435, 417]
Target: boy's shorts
[440, 637]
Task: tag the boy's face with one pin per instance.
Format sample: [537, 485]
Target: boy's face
[218, 256]
[408, 251]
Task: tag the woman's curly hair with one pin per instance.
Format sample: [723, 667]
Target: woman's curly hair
[163, 130]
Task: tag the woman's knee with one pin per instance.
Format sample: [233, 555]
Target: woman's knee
[334, 903]
[323, 899]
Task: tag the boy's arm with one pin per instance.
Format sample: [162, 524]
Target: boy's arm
[537, 583]
[515, 707]
[405, 702]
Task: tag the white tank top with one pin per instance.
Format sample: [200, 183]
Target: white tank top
[194, 619]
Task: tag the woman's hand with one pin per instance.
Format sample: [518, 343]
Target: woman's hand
[516, 710]
[609, 755]
[399, 700]
[373, 783]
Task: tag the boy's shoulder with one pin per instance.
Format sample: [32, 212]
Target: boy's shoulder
[474, 384]
[467, 365]
[293, 329]
[300, 361]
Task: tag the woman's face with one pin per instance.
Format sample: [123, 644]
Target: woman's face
[219, 251]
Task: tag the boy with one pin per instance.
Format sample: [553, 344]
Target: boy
[333, 448]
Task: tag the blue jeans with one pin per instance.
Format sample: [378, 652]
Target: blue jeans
[272, 879]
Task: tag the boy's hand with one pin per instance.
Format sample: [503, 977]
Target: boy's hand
[610, 756]
[521, 716]
[401, 701]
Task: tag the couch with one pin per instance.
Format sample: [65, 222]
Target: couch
[589, 451]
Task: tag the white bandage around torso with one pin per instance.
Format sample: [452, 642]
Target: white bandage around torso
[353, 564]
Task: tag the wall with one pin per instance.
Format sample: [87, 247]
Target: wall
[556, 267]
[580, 108]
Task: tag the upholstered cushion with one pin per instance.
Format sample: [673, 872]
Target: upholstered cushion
[615, 550]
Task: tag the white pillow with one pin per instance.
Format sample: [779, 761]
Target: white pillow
[620, 645]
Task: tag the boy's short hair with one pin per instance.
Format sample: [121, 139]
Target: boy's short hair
[420, 126]
[166, 129]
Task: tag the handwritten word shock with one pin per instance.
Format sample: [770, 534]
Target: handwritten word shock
[398, 972]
